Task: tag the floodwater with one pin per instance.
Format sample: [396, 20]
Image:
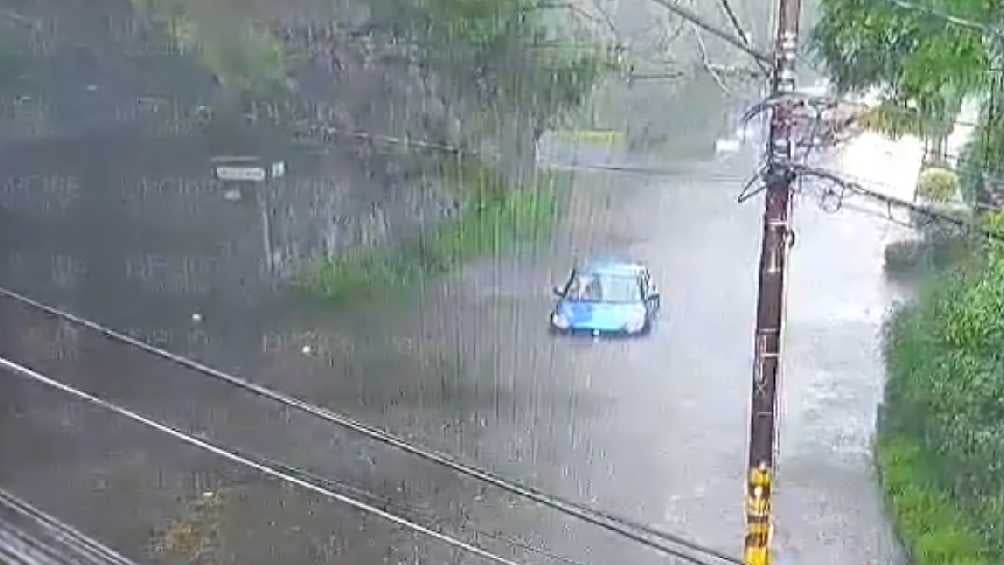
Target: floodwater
[654, 428]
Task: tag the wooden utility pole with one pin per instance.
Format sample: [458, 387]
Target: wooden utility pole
[770, 299]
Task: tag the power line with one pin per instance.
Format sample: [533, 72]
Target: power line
[857, 188]
[284, 472]
[618, 525]
[325, 132]
[950, 18]
[729, 38]
[965, 166]
[958, 169]
[903, 112]
[727, 7]
[56, 543]
[634, 170]
[825, 103]
[734, 19]
[399, 508]
[248, 462]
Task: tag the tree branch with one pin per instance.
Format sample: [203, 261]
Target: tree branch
[729, 38]
[707, 63]
[609, 20]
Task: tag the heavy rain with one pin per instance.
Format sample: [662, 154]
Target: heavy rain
[319, 241]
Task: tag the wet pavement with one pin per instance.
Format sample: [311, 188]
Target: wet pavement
[653, 428]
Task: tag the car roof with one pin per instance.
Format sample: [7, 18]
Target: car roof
[616, 267]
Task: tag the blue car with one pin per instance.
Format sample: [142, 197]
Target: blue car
[608, 297]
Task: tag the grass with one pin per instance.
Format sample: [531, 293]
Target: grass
[493, 220]
[193, 537]
[607, 138]
[934, 527]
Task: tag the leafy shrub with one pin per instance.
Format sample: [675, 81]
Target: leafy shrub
[938, 185]
[944, 434]
[933, 525]
[607, 138]
[933, 252]
[901, 256]
[493, 221]
[994, 223]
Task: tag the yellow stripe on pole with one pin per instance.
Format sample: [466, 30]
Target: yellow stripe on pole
[757, 556]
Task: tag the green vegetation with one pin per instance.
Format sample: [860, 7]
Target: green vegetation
[505, 69]
[942, 436]
[934, 251]
[493, 220]
[506, 55]
[244, 57]
[938, 185]
[981, 157]
[927, 515]
[502, 67]
[901, 256]
[925, 65]
[937, 248]
[608, 138]
[896, 119]
[194, 536]
[942, 439]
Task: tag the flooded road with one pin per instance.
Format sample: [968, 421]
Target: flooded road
[654, 428]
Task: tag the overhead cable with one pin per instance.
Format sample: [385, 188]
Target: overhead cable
[950, 18]
[624, 527]
[248, 462]
[725, 36]
[856, 188]
[399, 508]
[727, 7]
[29, 536]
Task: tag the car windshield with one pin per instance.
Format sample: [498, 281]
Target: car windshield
[598, 287]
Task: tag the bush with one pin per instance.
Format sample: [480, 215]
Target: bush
[980, 160]
[605, 138]
[935, 251]
[938, 185]
[943, 436]
[931, 523]
[493, 221]
[902, 256]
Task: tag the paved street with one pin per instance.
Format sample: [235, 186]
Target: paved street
[654, 429]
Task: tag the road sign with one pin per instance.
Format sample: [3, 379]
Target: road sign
[247, 174]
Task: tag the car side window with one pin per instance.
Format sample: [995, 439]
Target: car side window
[593, 289]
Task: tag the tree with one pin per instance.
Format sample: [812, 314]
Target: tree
[924, 64]
[243, 57]
[518, 71]
[926, 57]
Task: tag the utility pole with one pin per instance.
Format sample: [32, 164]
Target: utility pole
[770, 298]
